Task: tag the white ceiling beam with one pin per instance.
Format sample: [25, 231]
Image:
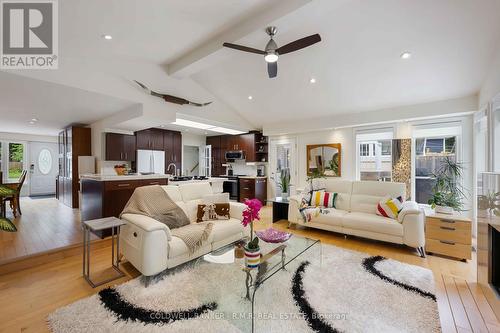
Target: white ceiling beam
[194, 60]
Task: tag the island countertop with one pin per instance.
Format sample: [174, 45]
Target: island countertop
[107, 178]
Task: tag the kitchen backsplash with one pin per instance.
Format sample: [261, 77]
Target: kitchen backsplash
[108, 167]
[242, 168]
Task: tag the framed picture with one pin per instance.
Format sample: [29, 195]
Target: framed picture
[324, 160]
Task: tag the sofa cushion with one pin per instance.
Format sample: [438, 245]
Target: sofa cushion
[373, 223]
[334, 217]
[223, 229]
[173, 192]
[177, 248]
[194, 191]
[343, 188]
[367, 194]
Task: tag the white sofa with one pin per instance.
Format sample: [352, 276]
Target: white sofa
[150, 246]
[355, 213]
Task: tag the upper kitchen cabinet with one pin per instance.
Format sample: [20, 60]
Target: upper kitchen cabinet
[172, 145]
[150, 139]
[120, 147]
[253, 144]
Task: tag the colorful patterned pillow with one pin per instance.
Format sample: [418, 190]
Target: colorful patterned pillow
[390, 207]
[323, 199]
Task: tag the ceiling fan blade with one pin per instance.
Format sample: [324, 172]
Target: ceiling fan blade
[244, 48]
[272, 69]
[299, 44]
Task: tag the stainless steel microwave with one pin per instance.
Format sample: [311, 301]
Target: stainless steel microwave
[235, 155]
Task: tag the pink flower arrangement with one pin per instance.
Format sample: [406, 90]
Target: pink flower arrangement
[251, 213]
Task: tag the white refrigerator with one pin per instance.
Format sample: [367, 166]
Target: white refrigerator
[151, 161]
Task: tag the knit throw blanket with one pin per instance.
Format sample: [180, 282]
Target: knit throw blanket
[154, 202]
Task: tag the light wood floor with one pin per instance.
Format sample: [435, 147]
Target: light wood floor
[28, 296]
[46, 224]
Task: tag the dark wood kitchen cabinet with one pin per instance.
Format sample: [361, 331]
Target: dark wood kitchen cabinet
[253, 144]
[172, 145]
[72, 142]
[217, 155]
[120, 147]
[150, 139]
[253, 188]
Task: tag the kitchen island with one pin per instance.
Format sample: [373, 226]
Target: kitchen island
[106, 195]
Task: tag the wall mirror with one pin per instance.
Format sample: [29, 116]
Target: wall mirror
[324, 160]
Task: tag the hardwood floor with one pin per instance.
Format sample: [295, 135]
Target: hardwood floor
[28, 296]
[45, 225]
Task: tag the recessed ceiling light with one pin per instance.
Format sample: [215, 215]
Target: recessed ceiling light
[107, 37]
[34, 119]
[312, 80]
[32, 122]
[250, 97]
[405, 55]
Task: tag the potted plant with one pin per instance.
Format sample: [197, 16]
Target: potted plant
[285, 183]
[490, 203]
[447, 192]
[252, 249]
[252, 253]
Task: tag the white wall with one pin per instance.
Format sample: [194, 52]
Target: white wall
[27, 137]
[444, 108]
[190, 139]
[491, 85]
[343, 136]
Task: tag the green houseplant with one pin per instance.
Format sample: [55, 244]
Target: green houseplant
[447, 192]
[285, 182]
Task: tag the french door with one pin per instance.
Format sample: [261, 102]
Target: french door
[43, 168]
[282, 155]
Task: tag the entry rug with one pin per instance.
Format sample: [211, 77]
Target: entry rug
[344, 292]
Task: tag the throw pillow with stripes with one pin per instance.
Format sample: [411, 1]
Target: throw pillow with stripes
[390, 207]
[323, 199]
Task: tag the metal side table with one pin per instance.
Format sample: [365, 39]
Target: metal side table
[112, 223]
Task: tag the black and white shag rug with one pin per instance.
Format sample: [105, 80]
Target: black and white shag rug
[348, 292]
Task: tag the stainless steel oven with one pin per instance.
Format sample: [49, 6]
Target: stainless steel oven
[231, 186]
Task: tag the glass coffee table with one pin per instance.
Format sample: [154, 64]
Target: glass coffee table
[274, 259]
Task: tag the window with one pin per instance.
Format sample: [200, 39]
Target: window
[386, 147]
[16, 157]
[45, 162]
[364, 149]
[374, 160]
[430, 153]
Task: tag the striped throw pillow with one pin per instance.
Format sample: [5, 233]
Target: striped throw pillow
[323, 199]
[390, 207]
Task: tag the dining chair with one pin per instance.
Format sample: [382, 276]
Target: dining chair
[14, 198]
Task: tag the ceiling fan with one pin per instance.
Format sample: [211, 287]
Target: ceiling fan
[272, 51]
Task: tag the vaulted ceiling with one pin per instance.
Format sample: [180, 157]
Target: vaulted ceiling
[176, 47]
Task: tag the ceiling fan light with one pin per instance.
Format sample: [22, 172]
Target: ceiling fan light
[271, 57]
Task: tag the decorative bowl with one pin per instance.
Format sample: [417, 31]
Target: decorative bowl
[273, 236]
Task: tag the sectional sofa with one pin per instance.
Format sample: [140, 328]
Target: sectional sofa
[150, 246]
[355, 213]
